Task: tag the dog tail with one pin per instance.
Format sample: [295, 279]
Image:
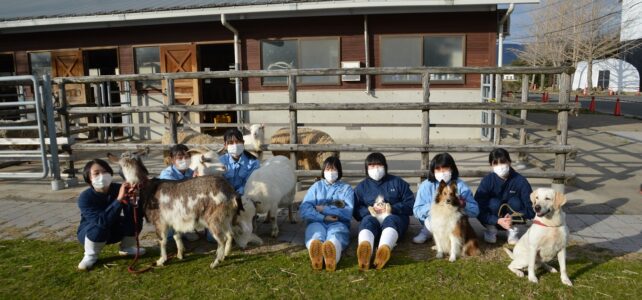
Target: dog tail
[509, 252]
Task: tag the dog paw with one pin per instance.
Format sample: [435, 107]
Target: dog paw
[439, 255]
[452, 259]
[160, 262]
[533, 279]
[566, 281]
[552, 270]
[179, 256]
[519, 273]
[214, 264]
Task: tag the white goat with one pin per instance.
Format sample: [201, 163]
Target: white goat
[255, 139]
[205, 163]
[270, 186]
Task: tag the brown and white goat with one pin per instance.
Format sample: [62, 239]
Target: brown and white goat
[202, 202]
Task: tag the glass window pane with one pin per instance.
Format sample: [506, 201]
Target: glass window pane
[40, 63]
[444, 51]
[147, 62]
[319, 54]
[401, 52]
[278, 55]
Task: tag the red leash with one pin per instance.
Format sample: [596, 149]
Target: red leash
[133, 197]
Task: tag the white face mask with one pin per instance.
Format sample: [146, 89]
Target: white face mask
[377, 173]
[235, 149]
[330, 176]
[501, 170]
[101, 181]
[182, 164]
[443, 176]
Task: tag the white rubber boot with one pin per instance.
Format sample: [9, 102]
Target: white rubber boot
[92, 249]
[128, 247]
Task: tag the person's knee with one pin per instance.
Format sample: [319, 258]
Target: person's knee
[96, 234]
[370, 223]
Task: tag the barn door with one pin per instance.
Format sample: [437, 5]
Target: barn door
[176, 59]
[69, 63]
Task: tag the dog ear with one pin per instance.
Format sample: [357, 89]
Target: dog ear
[560, 200]
[533, 196]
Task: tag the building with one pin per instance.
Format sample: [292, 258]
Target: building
[608, 74]
[631, 32]
[73, 38]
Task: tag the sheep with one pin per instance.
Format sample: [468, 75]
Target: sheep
[204, 163]
[308, 160]
[185, 205]
[271, 185]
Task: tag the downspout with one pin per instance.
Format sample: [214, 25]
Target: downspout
[500, 30]
[237, 66]
[366, 40]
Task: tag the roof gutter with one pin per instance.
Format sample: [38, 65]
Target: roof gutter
[237, 66]
[500, 30]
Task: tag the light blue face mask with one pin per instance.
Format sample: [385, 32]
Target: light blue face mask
[443, 176]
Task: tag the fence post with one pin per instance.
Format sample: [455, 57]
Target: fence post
[425, 124]
[562, 131]
[64, 120]
[523, 156]
[293, 122]
[56, 183]
[172, 115]
[497, 139]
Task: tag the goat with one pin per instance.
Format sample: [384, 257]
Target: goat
[185, 205]
[205, 163]
[255, 139]
[271, 185]
[308, 160]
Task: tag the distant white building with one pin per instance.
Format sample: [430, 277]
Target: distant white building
[614, 74]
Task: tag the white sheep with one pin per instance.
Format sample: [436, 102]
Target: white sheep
[271, 186]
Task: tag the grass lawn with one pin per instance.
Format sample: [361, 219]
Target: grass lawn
[46, 269]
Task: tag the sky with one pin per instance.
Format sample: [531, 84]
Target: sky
[520, 21]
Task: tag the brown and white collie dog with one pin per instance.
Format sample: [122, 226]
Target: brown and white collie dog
[451, 230]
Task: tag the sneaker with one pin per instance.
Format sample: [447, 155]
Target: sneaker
[422, 237]
[513, 236]
[363, 255]
[316, 254]
[490, 234]
[382, 256]
[330, 256]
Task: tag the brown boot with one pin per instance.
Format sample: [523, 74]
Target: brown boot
[382, 256]
[330, 256]
[363, 255]
[316, 254]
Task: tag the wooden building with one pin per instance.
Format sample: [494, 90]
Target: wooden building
[74, 38]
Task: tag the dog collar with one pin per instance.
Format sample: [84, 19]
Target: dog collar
[538, 222]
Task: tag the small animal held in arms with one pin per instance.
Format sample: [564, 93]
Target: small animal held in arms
[452, 232]
[545, 239]
[202, 202]
[381, 205]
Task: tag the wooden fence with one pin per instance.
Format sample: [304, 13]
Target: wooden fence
[560, 149]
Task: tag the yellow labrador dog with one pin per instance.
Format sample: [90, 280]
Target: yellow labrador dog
[547, 237]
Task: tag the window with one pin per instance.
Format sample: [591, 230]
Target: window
[603, 77]
[147, 62]
[300, 54]
[413, 51]
[40, 63]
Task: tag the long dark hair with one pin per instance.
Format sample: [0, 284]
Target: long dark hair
[499, 155]
[238, 135]
[442, 160]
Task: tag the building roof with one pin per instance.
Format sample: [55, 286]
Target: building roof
[39, 13]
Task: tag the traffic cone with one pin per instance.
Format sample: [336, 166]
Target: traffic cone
[577, 98]
[618, 108]
[592, 105]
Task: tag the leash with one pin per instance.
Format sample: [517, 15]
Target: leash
[132, 197]
[516, 216]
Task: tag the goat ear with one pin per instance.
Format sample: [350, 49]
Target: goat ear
[560, 200]
[112, 158]
[262, 125]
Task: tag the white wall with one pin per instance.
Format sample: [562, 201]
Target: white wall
[392, 134]
[624, 76]
[631, 22]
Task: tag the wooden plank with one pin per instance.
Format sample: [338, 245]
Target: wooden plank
[328, 106]
[293, 117]
[562, 127]
[425, 122]
[347, 147]
[33, 141]
[317, 72]
[523, 157]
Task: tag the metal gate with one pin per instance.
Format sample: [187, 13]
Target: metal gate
[35, 114]
[487, 95]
